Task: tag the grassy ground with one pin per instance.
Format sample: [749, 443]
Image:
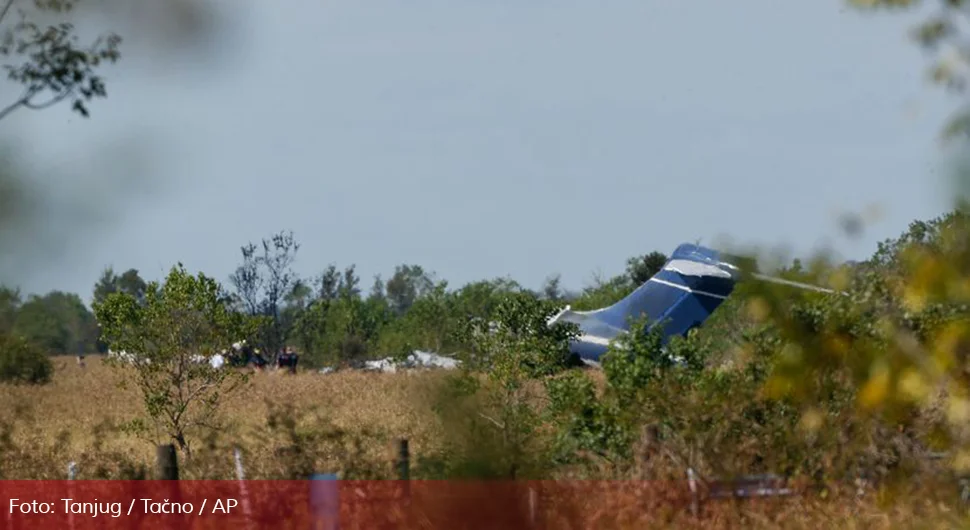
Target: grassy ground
[77, 417]
[344, 420]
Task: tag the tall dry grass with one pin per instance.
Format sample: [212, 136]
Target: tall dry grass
[291, 425]
[77, 417]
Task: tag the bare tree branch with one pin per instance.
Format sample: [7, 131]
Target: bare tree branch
[5, 10]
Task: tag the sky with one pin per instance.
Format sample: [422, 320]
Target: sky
[488, 139]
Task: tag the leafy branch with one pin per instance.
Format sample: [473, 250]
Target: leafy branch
[53, 66]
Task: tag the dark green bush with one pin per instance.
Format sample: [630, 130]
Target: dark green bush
[23, 363]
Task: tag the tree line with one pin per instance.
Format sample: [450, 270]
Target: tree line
[328, 317]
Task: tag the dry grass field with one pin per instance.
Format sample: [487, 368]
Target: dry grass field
[339, 421]
[77, 417]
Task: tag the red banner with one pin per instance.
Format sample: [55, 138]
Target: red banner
[329, 504]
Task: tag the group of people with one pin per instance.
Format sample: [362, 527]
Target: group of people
[244, 354]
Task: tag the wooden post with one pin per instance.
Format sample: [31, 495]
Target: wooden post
[650, 447]
[325, 501]
[71, 474]
[403, 460]
[167, 462]
[241, 477]
[168, 470]
[404, 466]
[692, 483]
[533, 501]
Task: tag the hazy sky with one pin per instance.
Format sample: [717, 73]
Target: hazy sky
[483, 139]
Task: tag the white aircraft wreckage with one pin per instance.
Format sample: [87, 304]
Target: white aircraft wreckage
[216, 361]
[416, 360]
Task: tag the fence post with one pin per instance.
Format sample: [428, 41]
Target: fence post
[403, 460]
[167, 462]
[168, 470]
[404, 467]
[692, 483]
[241, 476]
[533, 501]
[649, 448]
[325, 501]
[71, 474]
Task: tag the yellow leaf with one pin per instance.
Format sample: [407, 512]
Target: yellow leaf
[958, 411]
[812, 420]
[792, 353]
[961, 461]
[777, 387]
[758, 309]
[960, 290]
[914, 297]
[945, 346]
[837, 345]
[886, 326]
[840, 280]
[876, 389]
[913, 385]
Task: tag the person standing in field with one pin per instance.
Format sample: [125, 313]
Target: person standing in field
[293, 359]
[258, 361]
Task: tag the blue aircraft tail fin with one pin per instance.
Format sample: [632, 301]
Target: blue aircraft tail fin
[689, 287]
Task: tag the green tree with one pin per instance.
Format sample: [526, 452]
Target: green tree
[517, 341]
[603, 293]
[330, 283]
[10, 301]
[408, 283]
[432, 319]
[295, 303]
[642, 268]
[57, 322]
[479, 299]
[129, 282]
[339, 325]
[180, 320]
[263, 282]
[23, 363]
[511, 350]
[609, 426]
[552, 289]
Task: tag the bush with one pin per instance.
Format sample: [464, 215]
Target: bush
[23, 363]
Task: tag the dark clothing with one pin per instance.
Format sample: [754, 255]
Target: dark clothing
[259, 361]
[287, 360]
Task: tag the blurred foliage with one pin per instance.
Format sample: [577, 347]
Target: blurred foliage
[48, 61]
[495, 416]
[942, 34]
[897, 332]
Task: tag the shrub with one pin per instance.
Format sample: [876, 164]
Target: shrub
[23, 363]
